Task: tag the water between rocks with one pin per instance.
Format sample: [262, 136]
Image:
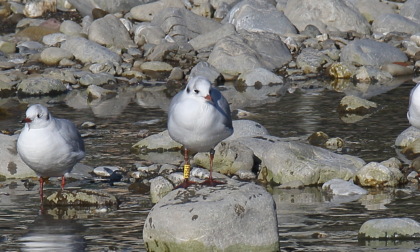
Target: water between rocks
[309, 220]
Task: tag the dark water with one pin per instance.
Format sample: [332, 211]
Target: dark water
[308, 219]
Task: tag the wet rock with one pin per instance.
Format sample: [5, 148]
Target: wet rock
[96, 92]
[146, 12]
[110, 32]
[397, 70]
[182, 25]
[53, 55]
[105, 171]
[260, 76]
[330, 15]
[214, 218]
[371, 52]
[342, 187]
[230, 158]
[80, 198]
[339, 70]
[412, 150]
[289, 161]
[11, 165]
[390, 228]
[40, 86]
[391, 22]
[88, 51]
[376, 175]
[370, 73]
[259, 16]
[356, 105]
[159, 187]
[407, 137]
[210, 39]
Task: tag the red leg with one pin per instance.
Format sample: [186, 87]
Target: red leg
[41, 189]
[187, 168]
[210, 181]
[63, 182]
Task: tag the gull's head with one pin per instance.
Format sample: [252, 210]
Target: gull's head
[37, 116]
[199, 88]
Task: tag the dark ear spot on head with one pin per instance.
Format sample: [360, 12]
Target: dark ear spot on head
[48, 116]
[188, 90]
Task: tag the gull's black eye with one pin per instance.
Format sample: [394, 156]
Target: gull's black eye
[196, 91]
[38, 115]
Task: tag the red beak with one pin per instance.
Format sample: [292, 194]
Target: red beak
[26, 120]
[208, 98]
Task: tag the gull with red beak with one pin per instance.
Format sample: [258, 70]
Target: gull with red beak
[199, 118]
[49, 146]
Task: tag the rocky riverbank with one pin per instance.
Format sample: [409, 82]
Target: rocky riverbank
[105, 55]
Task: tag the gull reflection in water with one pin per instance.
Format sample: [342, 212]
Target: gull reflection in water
[47, 233]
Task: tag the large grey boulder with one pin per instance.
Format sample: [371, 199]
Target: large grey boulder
[110, 32]
[371, 52]
[372, 9]
[260, 16]
[245, 51]
[89, 52]
[290, 161]
[326, 15]
[182, 25]
[11, 165]
[411, 10]
[231, 217]
[393, 22]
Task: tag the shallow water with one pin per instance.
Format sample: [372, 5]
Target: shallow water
[309, 220]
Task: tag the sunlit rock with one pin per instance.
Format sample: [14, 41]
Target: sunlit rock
[377, 175]
[390, 228]
[356, 105]
[37, 86]
[53, 55]
[407, 137]
[159, 187]
[230, 158]
[221, 218]
[342, 187]
[289, 161]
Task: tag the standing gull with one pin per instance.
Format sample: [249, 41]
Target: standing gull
[199, 118]
[49, 146]
[413, 113]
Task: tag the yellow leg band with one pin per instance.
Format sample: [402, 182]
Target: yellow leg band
[187, 169]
